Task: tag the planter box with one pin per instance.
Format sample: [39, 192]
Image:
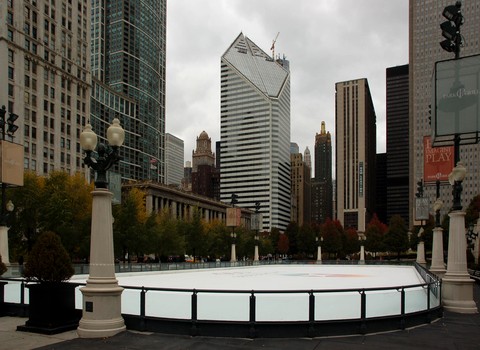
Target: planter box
[51, 308]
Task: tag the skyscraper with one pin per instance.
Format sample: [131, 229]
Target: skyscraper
[355, 145]
[301, 190]
[322, 192]
[174, 153]
[45, 60]
[128, 66]
[255, 131]
[204, 173]
[425, 36]
[398, 160]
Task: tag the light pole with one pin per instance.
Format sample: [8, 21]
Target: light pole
[233, 235]
[457, 287]
[102, 295]
[258, 220]
[319, 249]
[438, 265]
[362, 238]
[8, 127]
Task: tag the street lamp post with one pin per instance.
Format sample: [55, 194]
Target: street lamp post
[438, 264]
[233, 254]
[8, 127]
[457, 287]
[362, 238]
[319, 249]
[102, 295]
[257, 228]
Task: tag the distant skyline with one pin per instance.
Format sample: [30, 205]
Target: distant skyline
[325, 41]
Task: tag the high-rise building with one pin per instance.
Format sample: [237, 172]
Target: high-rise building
[381, 187]
[398, 160]
[204, 173]
[355, 145]
[187, 177]
[45, 60]
[301, 197]
[308, 159]
[425, 36]
[255, 131]
[322, 190]
[128, 66]
[174, 153]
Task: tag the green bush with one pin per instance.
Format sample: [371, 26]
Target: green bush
[48, 261]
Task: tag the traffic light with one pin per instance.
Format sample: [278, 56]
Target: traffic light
[429, 114]
[11, 127]
[451, 28]
[419, 189]
[234, 199]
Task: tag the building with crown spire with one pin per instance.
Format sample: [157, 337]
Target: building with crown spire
[322, 190]
[205, 180]
[255, 131]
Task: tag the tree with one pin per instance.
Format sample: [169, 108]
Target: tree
[194, 235]
[396, 238]
[332, 232]
[292, 232]
[306, 243]
[351, 244]
[283, 244]
[472, 211]
[375, 233]
[128, 230]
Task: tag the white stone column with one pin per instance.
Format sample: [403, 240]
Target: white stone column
[438, 264]
[233, 256]
[4, 245]
[457, 286]
[362, 254]
[421, 253]
[319, 254]
[255, 255]
[101, 296]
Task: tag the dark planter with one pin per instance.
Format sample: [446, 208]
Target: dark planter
[51, 308]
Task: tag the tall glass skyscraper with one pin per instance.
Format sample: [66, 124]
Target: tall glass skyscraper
[128, 69]
[255, 131]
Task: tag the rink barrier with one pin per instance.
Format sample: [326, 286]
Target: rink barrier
[253, 328]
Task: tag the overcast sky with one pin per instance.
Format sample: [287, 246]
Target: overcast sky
[325, 41]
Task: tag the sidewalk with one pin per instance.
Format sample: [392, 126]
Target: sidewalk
[453, 331]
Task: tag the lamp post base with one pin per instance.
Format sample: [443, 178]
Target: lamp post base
[457, 294]
[457, 287]
[255, 255]
[102, 310]
[4, 245]
[233, 257]
[421, 253]
[438, 265]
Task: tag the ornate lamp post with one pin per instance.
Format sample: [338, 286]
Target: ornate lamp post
[102, 295]
[457, 288]
[438, 265]
[233, 254]
[362, 238]
[319, 249]
[8, 128]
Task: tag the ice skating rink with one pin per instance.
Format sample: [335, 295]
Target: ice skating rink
[266, 281]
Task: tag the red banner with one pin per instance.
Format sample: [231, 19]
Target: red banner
[437, 161]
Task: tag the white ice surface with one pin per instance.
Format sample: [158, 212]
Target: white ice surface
[273, 307]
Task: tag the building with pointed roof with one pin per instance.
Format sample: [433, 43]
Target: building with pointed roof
[255, 131]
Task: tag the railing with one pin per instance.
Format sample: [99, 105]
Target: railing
[195, 311]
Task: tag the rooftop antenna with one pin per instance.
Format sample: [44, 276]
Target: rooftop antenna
[273, 45]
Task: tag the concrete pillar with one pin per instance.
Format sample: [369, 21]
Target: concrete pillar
[101, 296]
[255, 255]
[233, 255]
[149, 203]
[319, 254]
[421, 253]
[438, 264]
[457, 286]
[4, 245]
[362, 254]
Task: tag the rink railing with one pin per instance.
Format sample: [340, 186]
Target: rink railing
[268, 313]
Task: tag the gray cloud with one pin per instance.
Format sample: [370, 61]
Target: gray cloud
[325, 41]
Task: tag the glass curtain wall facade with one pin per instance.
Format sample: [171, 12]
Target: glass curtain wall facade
[128, 55]
[255, 131]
